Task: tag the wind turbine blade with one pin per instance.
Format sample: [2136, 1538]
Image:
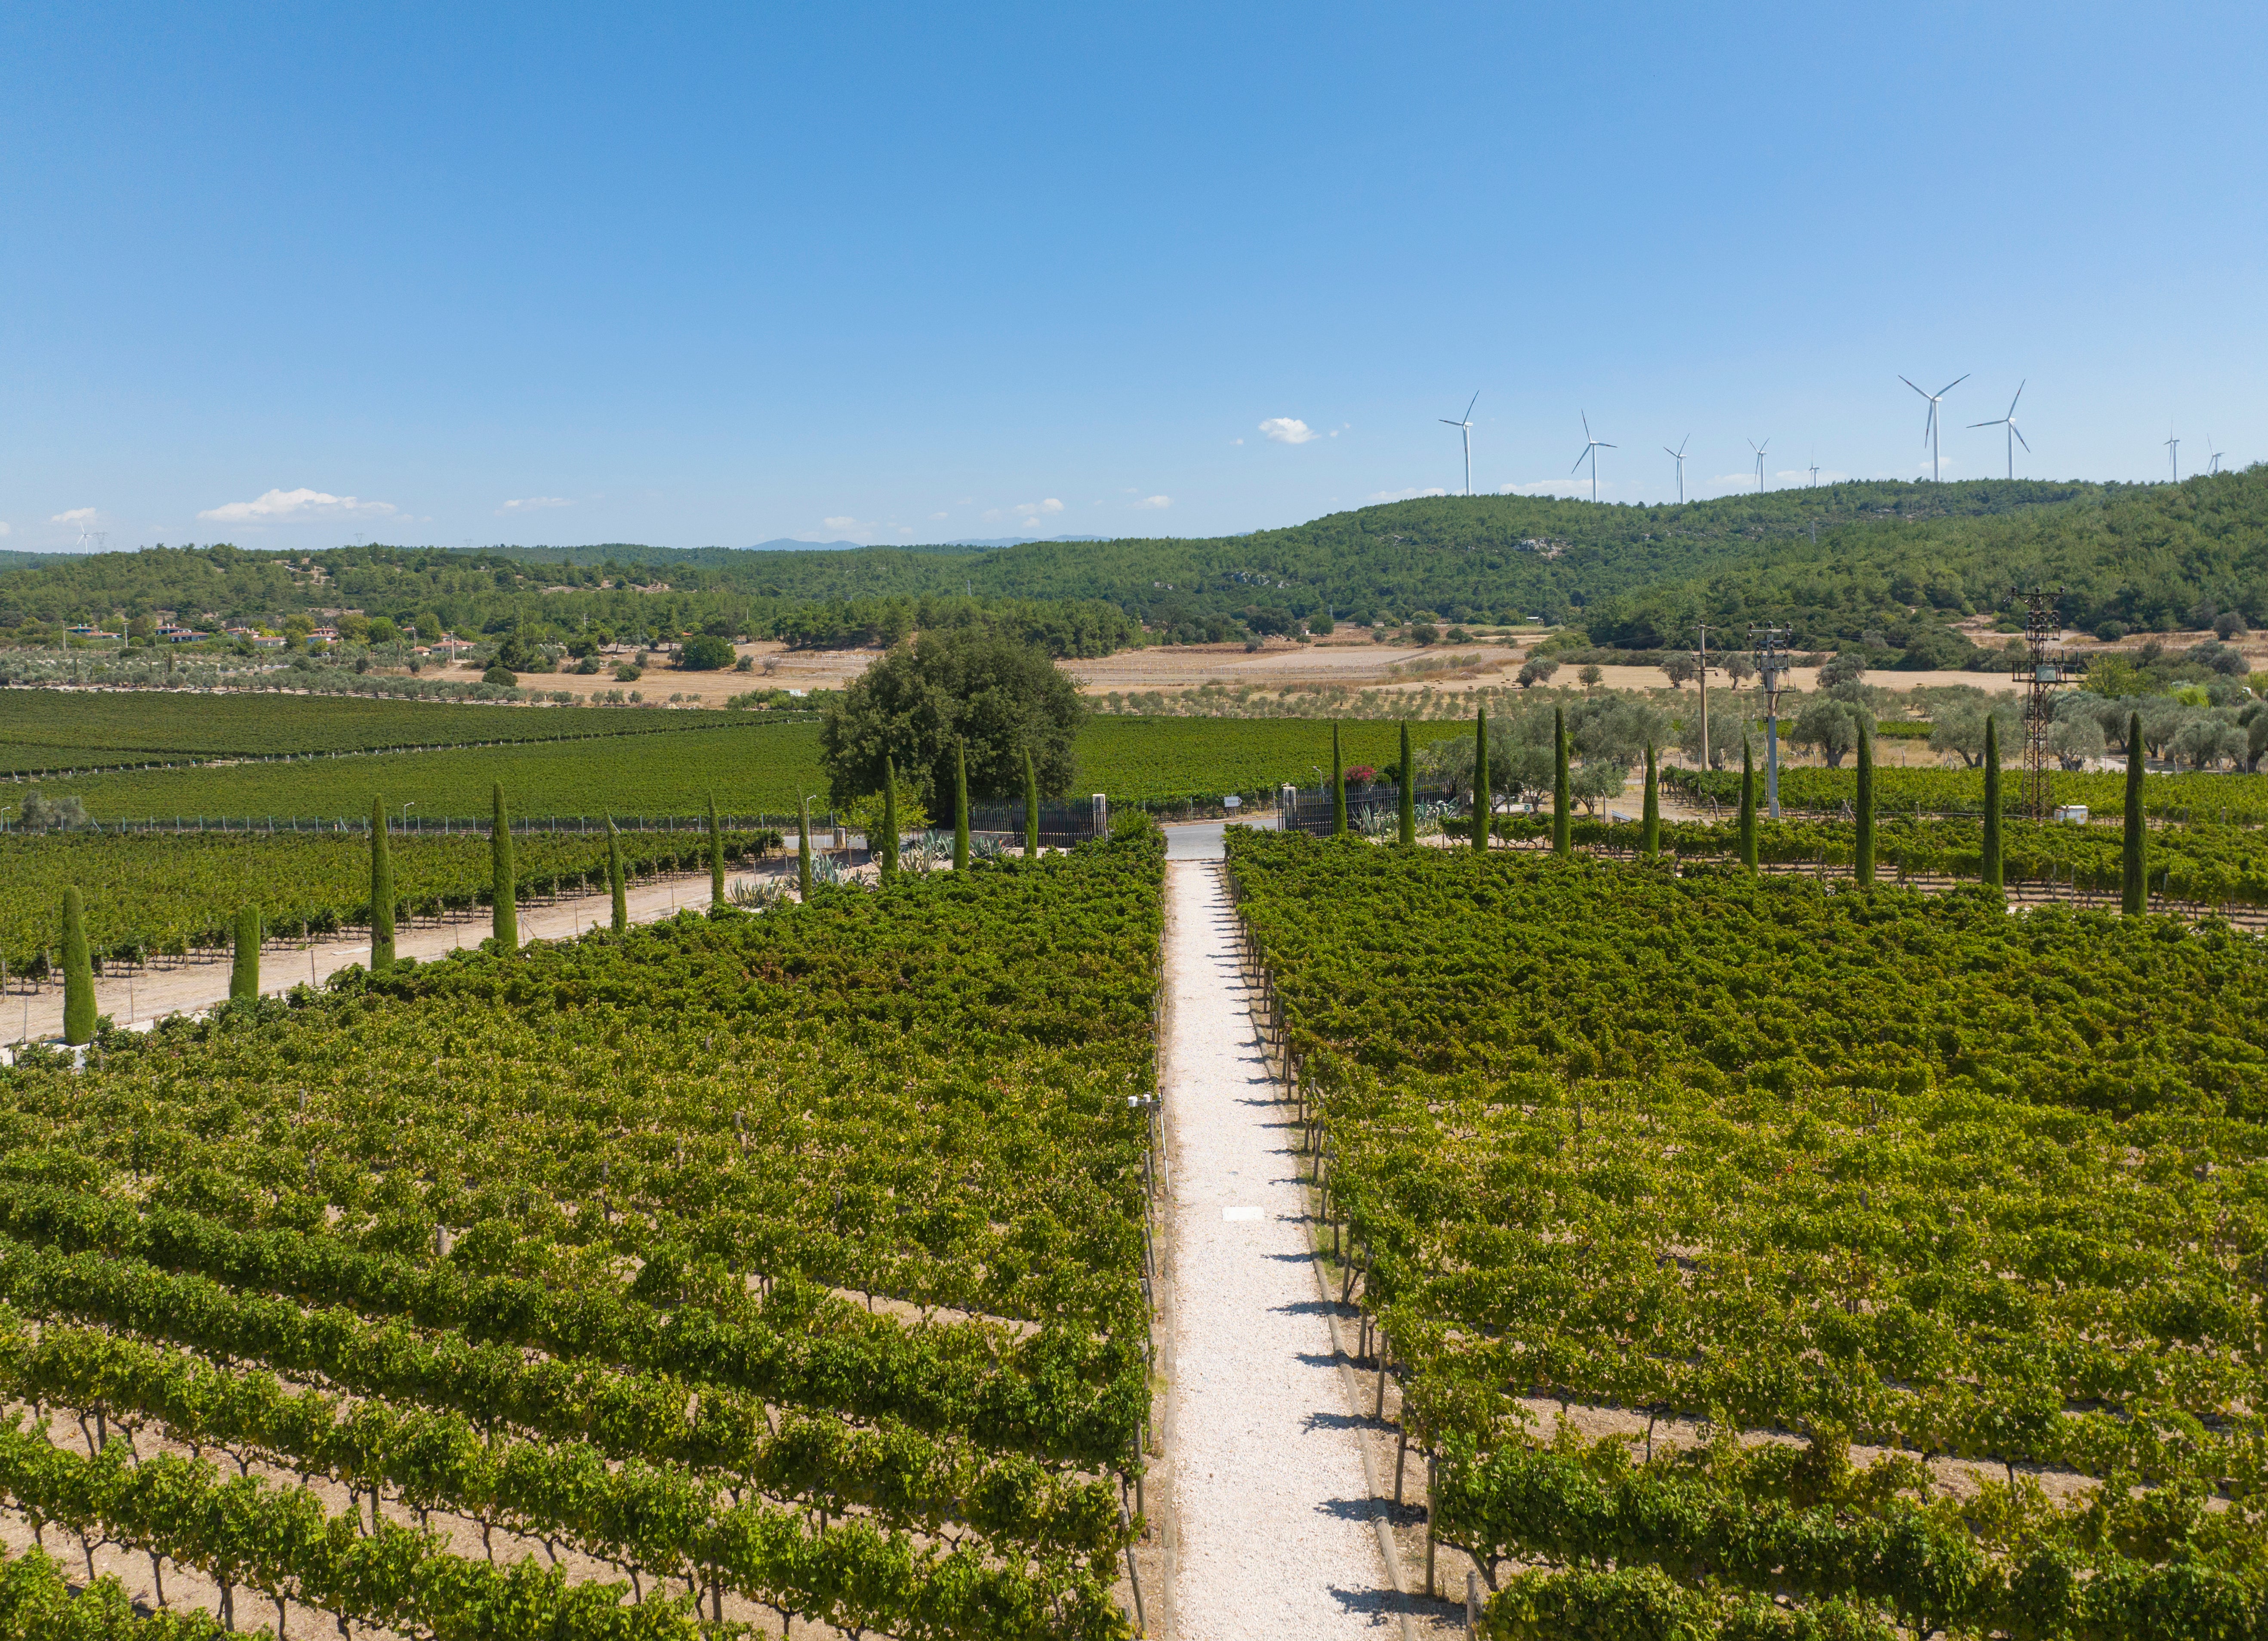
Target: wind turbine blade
[1586, 428]
[1995, 422]
[1445, 422]
[1954, 383]
[1604, 445]
[2020, 393]
[1666, 450]
[1469, 408]
[1909, 382]
[1579, 460]
[1682, 442]
[2018, 432]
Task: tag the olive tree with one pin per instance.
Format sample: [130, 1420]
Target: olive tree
[972, 687]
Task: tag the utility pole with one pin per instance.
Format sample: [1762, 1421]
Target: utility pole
[1771, 643]
[2040, 672]
[1705, 696]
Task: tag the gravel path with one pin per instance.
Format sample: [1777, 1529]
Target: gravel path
[1272, 1516]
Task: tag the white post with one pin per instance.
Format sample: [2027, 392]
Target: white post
[1101, 815]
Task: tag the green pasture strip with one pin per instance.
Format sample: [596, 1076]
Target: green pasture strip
[84, 729]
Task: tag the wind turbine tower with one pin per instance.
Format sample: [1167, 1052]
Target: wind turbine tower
[1591, 449]
[1466, 428]
[2174, 457]
[2015, 437]
[1814, 470]
[2215, 454]
[1760, 450]
[1679, 453]
[1929, 428]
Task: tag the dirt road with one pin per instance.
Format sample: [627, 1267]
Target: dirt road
[137, 997]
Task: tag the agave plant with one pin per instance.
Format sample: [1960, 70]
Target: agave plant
[759, 894]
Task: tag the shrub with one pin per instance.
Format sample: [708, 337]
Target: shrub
[502, 675]
[705, 653]
[629, 673]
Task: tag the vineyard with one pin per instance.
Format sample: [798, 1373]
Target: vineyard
[739, 1273]
[754, 769]
[1755, 1259]
[2209, 866]
[2231, 799]
[170, 896]
[50, 729]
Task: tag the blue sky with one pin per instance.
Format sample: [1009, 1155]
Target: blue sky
[293, 275]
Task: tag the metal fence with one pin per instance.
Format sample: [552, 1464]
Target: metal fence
[1308, 809]
[439, 826]
[1065, 823]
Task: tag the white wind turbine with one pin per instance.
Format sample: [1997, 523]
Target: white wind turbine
[1760, 450]
[1814, 470]
[2174, 456]
[1466, 428]
[2015, 437]
[2215, 454]
[1591, 449]
[1680, 454]
[1929, 428]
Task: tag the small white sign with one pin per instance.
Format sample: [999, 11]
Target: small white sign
[1240, 1213]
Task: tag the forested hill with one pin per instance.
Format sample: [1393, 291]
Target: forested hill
[2142, 557]
[1893, 562]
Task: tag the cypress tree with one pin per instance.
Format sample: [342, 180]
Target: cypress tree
[78, 972]
[1031, 808]
[1748, 805]
[2133, 889]
[1562, 830]
[1338, 786]
[803, 847]
[615, 881]
[1409, 779]
[381, 892]
[961, 805]
[1993, 873]
[503, 922]
[889, 851]
[715, 854]
[1649, 837]
[244, 972]
[1484, 800]
[1863, 861]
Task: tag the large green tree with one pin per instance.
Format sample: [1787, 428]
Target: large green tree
[1001, 698]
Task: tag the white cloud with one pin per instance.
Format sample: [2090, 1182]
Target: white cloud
[529, 503]
[844, 525]
[1236, 441]
[934, 516]
[77, 515]
[1288, 429]
[1154, 502]
[1410, 494]
[3, 527]
[1033, 509]
[301, 506]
